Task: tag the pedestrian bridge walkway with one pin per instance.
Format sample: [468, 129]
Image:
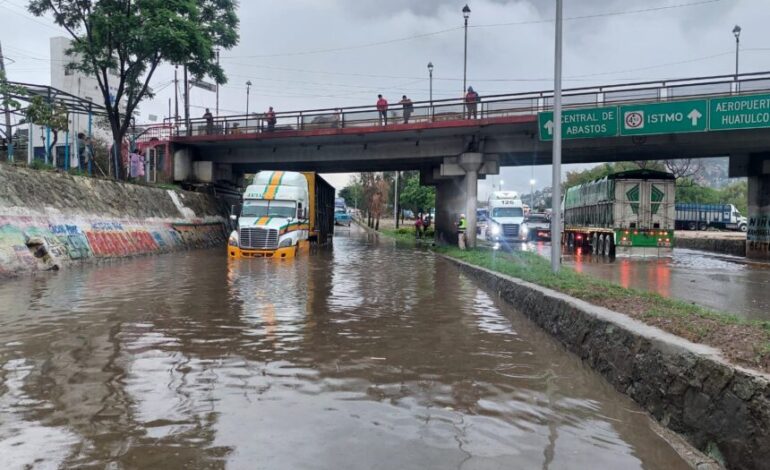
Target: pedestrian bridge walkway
[453, 113]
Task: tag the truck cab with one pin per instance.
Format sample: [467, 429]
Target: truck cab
[274, 217]
[505, 221]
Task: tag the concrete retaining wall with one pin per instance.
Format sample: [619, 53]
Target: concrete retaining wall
[736, 247]
[722, 409]
[49, 220]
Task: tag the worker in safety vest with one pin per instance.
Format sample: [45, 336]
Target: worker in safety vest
[462, 225]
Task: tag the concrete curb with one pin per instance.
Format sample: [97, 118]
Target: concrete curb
[713, 245]
[722, 409]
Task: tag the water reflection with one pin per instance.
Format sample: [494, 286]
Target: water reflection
[360, 356]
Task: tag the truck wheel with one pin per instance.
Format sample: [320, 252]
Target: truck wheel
[604, 244]
[611, 247]
[743, 228]
[702, 226]
[571, 242]
[595, 244]
[692, 226]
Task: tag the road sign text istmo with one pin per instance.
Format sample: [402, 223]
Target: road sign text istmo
[581, 123]
[664, 118]
[739, 112]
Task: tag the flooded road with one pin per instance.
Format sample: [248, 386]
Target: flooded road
[364, 356]
[722, 282]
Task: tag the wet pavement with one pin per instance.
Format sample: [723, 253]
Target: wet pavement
[364, 356]
[722, 282]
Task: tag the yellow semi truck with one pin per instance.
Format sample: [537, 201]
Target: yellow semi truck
[281, 214]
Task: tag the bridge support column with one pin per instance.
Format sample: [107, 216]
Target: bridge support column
[456, 185]
[757, 168]
[758, 235]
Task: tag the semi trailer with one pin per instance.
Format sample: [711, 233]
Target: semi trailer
[281, 214]
[694, 216]
[630, 212]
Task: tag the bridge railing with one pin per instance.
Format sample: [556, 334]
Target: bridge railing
[489, 107]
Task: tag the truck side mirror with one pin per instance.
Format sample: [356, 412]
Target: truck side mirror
[233, 217]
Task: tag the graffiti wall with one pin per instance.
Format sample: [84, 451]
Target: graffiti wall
[758, 234]
[25, 241]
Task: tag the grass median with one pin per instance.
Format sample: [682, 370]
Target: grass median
[744, 342]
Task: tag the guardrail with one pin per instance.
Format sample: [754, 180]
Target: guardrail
[493, 106]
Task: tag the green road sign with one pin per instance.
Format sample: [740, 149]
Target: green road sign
[739, 112]
[581, 123]
[664, 118]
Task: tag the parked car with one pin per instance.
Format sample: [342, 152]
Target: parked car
[539, 225]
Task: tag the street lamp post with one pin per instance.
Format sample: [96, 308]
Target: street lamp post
[430, 80]
[531, 194]
[248, 89]
[466, 14]
[737, 34]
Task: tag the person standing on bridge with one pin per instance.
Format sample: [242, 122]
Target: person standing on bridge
[471, 102]
[209, 121]
[270, 118]
[408, 108]
[382, 110]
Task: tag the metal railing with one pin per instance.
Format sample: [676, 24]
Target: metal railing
[489, 107]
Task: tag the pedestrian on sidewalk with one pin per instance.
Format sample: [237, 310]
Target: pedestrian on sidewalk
[209, 121]
[382, 110]
[408, 108]
[270, 118]
[471, 103]
[418, 226]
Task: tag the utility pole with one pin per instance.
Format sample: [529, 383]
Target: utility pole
[466, 14]
[186, 103]
[556, 166]
[395, 202]
[7, 111]
[176, 95]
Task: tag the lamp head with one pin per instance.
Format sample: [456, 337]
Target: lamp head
[466, 12]
[737, 31]
[430, 66]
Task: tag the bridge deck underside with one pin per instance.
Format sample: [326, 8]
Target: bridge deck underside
[514, 140]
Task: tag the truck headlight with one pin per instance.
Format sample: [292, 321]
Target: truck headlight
[233, 240]
[285, 242]
[494, 229]
[523, 230]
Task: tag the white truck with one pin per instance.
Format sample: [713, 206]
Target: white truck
[282, 212]
[506, 218]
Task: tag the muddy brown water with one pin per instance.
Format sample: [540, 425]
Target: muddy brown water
[364, 356]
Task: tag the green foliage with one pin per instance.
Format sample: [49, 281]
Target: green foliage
[416, 197]
[353, 194]
[9, 92]
[39, 165]
[42, 113]
[736, 194]
[131, 38]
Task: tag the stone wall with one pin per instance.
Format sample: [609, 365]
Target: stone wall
[49, 220]
[722, 409]
[735, 247]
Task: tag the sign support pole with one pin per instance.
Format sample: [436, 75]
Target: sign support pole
[556, 167]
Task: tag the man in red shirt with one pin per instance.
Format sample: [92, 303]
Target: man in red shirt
[382, 110]
[270, 118]
[471, 102]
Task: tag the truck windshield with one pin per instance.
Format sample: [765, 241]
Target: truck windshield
[507, 212]
[268, 209]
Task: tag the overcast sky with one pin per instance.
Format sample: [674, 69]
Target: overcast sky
[304, 54]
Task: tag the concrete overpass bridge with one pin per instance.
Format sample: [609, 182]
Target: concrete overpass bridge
[452, 145]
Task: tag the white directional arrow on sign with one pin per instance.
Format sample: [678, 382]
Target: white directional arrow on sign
[694, 116]
[549, 127]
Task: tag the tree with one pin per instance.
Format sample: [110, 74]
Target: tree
[8, 104]
[684, 167]
[416, 197]
[353, 194]
[53, 116]
[131, 38]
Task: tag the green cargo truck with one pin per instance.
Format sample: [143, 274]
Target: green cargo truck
[631, 212]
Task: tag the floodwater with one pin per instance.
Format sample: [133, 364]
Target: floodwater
[721, 282]
[364, 356]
